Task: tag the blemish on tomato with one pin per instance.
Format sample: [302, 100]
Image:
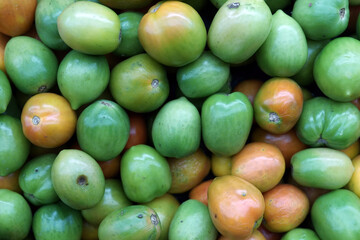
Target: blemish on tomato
[155, 83]
[42, 88]
[273, 117]
[233, 5]
[342, 13]
[154, 219]
[310, 5]
[36, 120]
[82, 180]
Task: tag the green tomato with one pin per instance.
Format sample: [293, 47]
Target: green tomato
[230, 37]
[90, 28]
[226, 122]
[35, 180]
[145, 174]
[336, 215]
[15, 215]
[57, 221]
[300, 234]
[337, 69]
[322, 19]
[284, 52]
[324, 122]
[5, 92]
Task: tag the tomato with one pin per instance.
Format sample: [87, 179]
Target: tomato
[89, 231]
[278, 105]
[220, 165]
[236, 206]
[48, 120]
[3, 40]
[173, 33]
[353, 150]
[288, 142]
[125, 4]
[16, 16]
[138, 130]
[354, 183]
[286, 207]
[200, 192]
[268, 234]
[111, 168]
[11, 182]
[249, 87]
[261, 164]
[188, 171]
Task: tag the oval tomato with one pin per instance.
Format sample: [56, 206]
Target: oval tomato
[16, 16]
[173, 33]
[48, 120]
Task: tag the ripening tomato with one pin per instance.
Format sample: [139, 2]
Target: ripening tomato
[353, 150]
[268, 234]
[89, 231]
[138, 130]
[111, 168]
[278, 105]
[249, 87]
[11, 182]
[16, 16]
[3, 40]
[173, 33]
[48, 120]
[200, 191]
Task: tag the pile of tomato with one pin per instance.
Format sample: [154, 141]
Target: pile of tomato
[192, 119]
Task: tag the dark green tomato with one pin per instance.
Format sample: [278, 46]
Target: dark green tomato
[337, 69]
[176, 131]
[35, 180]
[14, 147]
[336, 215]
[130, 44]
[145, 174]
[192, 221]
[15, 216]
[46, 14]
[203, 77]
[30, 64]
[57, 222]
[325, 122]
[305, 76]
[322, 19]
[226, 122]
[5, 92]
[114, 198]
[130, 223]
[103, 129]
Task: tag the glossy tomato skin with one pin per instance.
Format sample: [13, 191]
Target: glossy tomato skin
[48, 120]
[236, 206]
[138, 130]
[16, 16]
[278, 105]
[173, 33]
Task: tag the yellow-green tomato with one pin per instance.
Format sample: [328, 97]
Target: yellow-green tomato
[90, 28]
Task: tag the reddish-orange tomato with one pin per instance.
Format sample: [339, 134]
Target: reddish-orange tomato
[259, 163]
[16, 16]
[278, 105]
[249, 87]
[200, 192]
[288, 142]
[268, 234]
[3, 40]
[189, 171]
[236, 206]
[111, 168]
[286, 207]
[11, 182]
[48, 120]
[138, 130]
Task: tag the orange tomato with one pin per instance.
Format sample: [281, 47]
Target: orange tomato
[278, 105]
[89, 231]
[249, 87]
[288, 142]
[200, 192]
[286, 207]
[236, 206]
[261, 164]
[11, 182]
[138, 130]
[111, 168]
[48, 120]
[3, 40]
[189, 171]
[220, 165]
[16, 16]
[353, 150]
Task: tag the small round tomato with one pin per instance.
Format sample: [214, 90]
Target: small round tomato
[200, 192]
[189, 171]
[278, 105]
[48, 120]
[261, 164]
[286, 207]
[288, 142]
[16, 16]
[236, 206]
[173, 33]
[249, 87]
